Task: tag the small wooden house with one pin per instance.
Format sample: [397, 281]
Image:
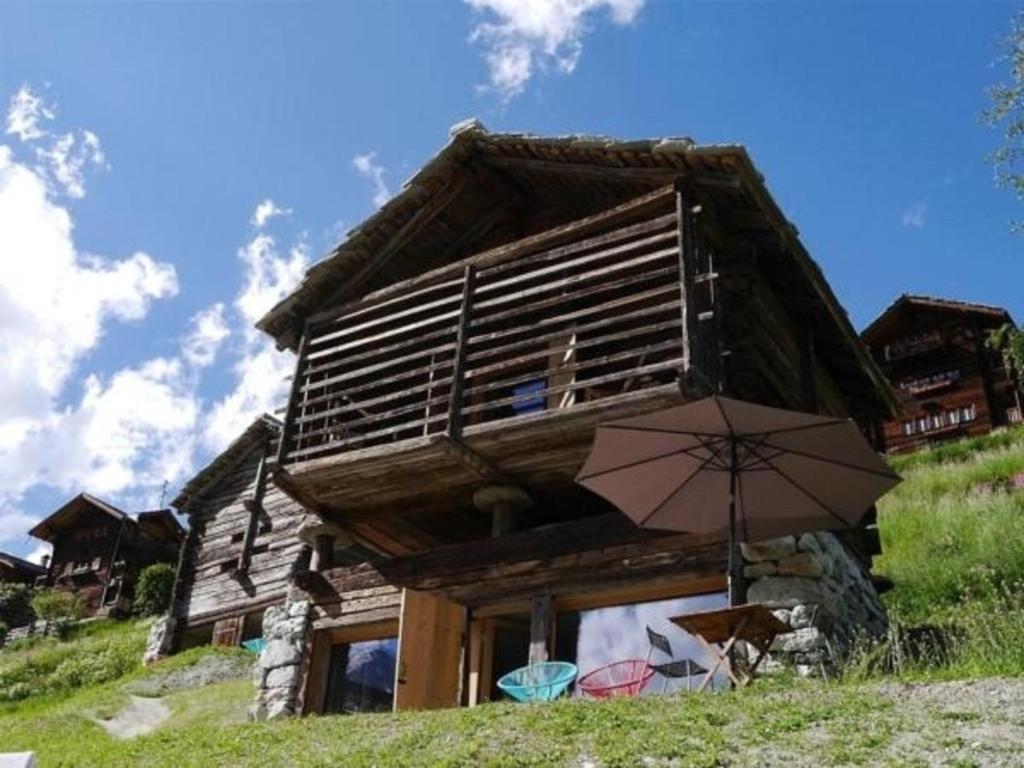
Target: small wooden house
[14, 570]
[950, 382]
[99, 550]
[241, 544]
[455, 355]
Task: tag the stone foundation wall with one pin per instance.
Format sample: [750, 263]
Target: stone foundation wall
[819, 588]
[278, 671]
[160, 642]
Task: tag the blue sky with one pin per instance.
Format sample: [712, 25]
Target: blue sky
[136, 360]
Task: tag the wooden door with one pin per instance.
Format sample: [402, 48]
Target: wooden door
[228, 631]
[429, 670]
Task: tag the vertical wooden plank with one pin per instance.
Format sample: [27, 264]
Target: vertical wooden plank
[314, 689]
[288, 425]
[686, 303]
[540, 628]
[430, 649]
[454, 426]
[475, 641]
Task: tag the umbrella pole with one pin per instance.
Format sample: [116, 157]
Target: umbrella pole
[733, 577]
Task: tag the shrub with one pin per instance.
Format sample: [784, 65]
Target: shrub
[15, 605]
[153, 590]
[3, 633]
[59, 609]
[97, 653]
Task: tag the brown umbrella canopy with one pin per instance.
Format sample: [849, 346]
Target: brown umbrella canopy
[784, 472]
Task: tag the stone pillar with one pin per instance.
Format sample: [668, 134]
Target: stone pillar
[819, 588]
[504, 503]
[161, 639]
[278, 670]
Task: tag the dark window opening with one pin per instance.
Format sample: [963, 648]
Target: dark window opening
[361, 677]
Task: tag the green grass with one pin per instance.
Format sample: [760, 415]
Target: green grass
[951, 531]
[687, 730]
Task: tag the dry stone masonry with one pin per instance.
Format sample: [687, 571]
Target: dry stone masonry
[278, 671]
[817, 586]
[161, 640]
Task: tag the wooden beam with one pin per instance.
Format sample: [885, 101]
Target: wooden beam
[453, 428]
[406, 232]
[540, 628]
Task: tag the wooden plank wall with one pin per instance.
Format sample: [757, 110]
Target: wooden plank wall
[211, 588]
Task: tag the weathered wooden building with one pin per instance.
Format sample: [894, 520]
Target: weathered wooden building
[242, 542]
[99, 550]
[950, 382]
[455, 354]
[14, 570]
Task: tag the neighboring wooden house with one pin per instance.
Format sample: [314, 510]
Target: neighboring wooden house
[455, 354]
[241, 544]
[99, 550]
[951, 384]
[17, 571]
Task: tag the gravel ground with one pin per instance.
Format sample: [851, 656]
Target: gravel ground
[972, 724]
[213, 668]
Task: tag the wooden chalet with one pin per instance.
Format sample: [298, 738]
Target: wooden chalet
[455, 354]
[950, 383]
[99, 550]
[14, 570]
[241, 544]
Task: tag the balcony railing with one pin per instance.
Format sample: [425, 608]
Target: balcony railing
[506, 337]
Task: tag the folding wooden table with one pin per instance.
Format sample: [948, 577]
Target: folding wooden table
[718, 631]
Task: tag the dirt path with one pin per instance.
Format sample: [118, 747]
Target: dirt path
[141, 716]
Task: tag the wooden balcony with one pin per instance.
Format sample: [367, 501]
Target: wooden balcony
[497, 367]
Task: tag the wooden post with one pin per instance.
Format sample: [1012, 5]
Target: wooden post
[454, 427]
[289, 415]
[540, 628]
[323, 552]
[686, 298]
[254, 506]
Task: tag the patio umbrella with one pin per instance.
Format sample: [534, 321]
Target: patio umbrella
[720, 467]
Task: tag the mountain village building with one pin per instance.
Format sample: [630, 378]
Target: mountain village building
[950, 382]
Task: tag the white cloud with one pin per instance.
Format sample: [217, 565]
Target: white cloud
[25, 111]
[261, 370]
[267, 210]
[62, 427]
[916, 216]
[524, 36]
[44, 549]
[54, 301]
[209, 330]
[368, 167]
[14, 525]
[128, 431]
[67, 158]
[64, 161]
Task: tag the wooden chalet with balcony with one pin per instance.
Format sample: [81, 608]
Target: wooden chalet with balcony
[950, 383]
[455, 355]
[99, 550]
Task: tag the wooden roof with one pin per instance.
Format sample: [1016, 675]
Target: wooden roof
[67, 515]
[19, 564]
[908, 302]
[486, 189]
[264, 428]
[158, 523]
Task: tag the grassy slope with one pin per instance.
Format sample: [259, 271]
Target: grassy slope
[952, 529]
[942, 532]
